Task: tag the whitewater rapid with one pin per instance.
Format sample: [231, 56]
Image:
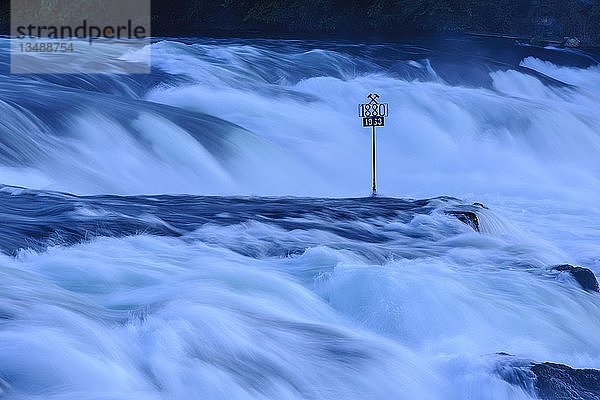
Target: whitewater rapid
[495, 128]
[176, 295]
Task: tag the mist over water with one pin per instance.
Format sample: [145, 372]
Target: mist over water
[178, 297]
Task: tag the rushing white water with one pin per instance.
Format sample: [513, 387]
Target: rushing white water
[250, 310]
[519, 136]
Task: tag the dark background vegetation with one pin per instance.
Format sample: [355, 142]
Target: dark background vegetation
[536, 20]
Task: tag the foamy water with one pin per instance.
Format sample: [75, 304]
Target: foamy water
[187, 296]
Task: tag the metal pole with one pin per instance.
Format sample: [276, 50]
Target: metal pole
[374, 173]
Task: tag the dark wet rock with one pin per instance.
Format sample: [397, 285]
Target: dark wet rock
[550, 381]
[466, 217]
[503, 353]
[560, 382]
[583, 276]
[477, 204]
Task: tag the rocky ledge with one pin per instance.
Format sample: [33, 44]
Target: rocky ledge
[584, 276]
[550, 381]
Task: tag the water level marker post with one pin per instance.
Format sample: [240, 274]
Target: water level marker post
[373, 115]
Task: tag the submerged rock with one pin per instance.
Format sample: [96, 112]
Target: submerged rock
[536, 41]
[571, 42]
[550, 381]
[4, 386]
[466, 217]
[583, 276]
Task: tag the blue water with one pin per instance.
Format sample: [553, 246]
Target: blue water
[206, 232]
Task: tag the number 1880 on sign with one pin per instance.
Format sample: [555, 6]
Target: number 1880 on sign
[373, 113]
